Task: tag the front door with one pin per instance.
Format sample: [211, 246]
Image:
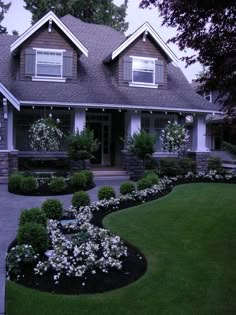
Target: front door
[101, 125]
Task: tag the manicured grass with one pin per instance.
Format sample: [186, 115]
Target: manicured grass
[189, 239]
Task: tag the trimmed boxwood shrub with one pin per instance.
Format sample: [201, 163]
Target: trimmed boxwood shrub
[127, 188]
[106, 192]
[153, 178]
[144, 183]
[215, 163]
[53, 209]
[33, 215]
[33, 234]
[14, 182]
[169, 167]
[28, 185]
[78, 181]
[80, 199]
[187, 165]
[89, 178]
[57, 185]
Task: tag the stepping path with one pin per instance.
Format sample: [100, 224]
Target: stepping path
[10, 208]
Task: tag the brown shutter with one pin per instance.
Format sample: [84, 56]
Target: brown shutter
[127, 68]
[67, 64]
[159, 71]
[30, 57]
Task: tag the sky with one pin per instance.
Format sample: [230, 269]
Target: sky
[19, 19]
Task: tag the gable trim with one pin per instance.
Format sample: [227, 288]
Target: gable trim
[49, 16]
[9, 96]
[146, 27]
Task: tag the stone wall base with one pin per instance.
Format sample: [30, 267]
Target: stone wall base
[79, 165]
[133, 165]
[8, 165]
[201, 159]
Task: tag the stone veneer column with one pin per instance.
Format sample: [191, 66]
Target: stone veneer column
[4, 167]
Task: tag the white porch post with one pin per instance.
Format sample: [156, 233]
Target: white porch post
[199, 134]
[134, 122]
[80, 119]
[10, 142]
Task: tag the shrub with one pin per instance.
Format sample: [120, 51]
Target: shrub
[127, 188]
[106, 192]
[78, 181]
[52, 208]
[215, 163]
[80, 199]
[153, 178]
[88, 178]
[144, 183]
[33, 215]
[169, 167]
[33, 234]
[14, 183]
[57, 185]
[186, 165]
[28, 185]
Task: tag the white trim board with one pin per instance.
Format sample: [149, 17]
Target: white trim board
[146, 27]
[9, 96]
[122, 107]
[49, 16]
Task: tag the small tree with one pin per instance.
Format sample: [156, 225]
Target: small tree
[142, 144]
[82, 145]
[174, 137]
[45, 135]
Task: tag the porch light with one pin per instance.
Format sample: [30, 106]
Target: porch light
[103, 109]
[180, 114]
[86, 109]
[150, 111]
[51, 108]
[1, 138]
[166, 113]
[69, 108]
[33, 107]
[119, 110]
[136, 112]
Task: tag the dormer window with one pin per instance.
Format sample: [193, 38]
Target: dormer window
[143, 70]
[49, 63]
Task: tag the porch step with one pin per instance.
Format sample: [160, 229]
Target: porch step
[110, 174]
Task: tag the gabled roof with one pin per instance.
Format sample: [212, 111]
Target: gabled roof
[50, 16]
[11, 98]
[145, 28]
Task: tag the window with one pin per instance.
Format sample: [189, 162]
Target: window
[49, 63]
[143, 70]
[207, 96]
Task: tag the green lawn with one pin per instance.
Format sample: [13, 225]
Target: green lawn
[189, 239]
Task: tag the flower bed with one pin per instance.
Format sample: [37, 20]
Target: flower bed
[83, 257]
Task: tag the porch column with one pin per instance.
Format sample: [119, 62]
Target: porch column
[80, 119]
[10, 141]
[134, 122]
[199, 134]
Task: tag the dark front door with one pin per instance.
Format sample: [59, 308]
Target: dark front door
[97, 129]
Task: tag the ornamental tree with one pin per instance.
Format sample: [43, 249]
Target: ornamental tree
[91, 11]
[209, 28]
[174, 137]
[3, 9]
[44, 135]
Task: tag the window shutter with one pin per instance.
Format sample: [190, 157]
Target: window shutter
[159, 71]
[67, 64]
[30, 57]
[127, 68]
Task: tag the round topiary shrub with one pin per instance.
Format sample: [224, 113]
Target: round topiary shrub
[88, 177]
[127, 188]
[106, 192]
[33, 215]
[144, 183]
[78, 181]
[57, 185]
[33, 234]
[154, 178]
[28, 185]
[80, 199]
[14, 183]
[53, 209]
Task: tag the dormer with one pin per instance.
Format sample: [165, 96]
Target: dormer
[48, 51]
[142, 59]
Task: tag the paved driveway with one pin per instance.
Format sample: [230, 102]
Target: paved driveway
[10, 208]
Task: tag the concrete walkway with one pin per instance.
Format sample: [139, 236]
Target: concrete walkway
[10, 208]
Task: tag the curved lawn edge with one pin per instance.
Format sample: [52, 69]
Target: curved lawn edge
[159, 289]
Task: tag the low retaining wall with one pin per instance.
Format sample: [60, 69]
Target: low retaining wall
[133, 165]
[8, 165]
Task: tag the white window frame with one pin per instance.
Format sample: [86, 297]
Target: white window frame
[48, 78]
[207, 94]
[144, 83]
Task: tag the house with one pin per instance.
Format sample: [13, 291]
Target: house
[87, 74]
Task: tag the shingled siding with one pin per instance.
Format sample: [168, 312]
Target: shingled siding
[50, 40]
[140, 48]
[3, 130]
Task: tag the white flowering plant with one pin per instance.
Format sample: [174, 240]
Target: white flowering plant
[45, 135]
[174, 137]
